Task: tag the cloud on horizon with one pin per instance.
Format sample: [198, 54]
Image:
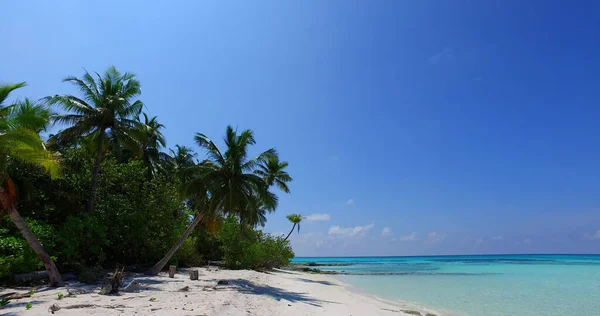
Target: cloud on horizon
[318, 217]
[435, 237]
[349, 231]
[410, 237]
[596, 235]
[350, 202]
[386, 231]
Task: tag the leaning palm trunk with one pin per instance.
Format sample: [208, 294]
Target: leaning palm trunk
[55, 279]
[163, 262]
[291, 231]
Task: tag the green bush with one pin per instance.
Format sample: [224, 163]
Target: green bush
[244, 248]
[136, 219]
[188, 255]
[15, 254]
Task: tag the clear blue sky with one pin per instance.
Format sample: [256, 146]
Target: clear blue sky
[461, 126]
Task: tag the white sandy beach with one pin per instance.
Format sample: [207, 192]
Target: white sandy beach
[247, 293]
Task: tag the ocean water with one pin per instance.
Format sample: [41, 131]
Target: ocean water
[479, 285]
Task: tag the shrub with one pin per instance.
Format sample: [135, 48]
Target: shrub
[15, 254]
[188, 255]
[244, 248]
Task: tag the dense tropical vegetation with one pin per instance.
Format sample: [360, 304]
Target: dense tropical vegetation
[106, 191]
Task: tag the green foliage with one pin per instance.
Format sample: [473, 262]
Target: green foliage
[111, 161]
[4, 301]
[188, 255]
[60, 296]
[244, 248]
[28, 306]
[136, 219]
[15, 254]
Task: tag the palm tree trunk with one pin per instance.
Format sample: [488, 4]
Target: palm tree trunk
[55, 279]
[163, 262]
[95, 172]
[291, 231]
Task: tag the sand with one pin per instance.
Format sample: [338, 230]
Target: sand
[247, 293]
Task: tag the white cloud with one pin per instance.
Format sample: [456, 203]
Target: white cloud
[478, 241]
[435, 237]
[410, 237]
[447, 53]
[596, 235]
[318, 217]
[350, 202]
[386, 231]
[496, 238]
[350, 231]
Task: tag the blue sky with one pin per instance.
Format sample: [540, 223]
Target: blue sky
[417, 127]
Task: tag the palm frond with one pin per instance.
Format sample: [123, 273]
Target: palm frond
[6, 89]
[213, 151]
[89, 92]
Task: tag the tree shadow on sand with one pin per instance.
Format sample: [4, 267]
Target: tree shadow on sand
[248, 287]
[315, 281]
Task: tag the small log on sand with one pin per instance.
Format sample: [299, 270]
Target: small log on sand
[38, 275]
[172, 271]
[193, 274]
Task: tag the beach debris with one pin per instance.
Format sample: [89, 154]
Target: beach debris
[172, 270]
[131, 287]
[55, 307]
[152, 299]
[223, 282]
[112, 283]
[33, 276]
[193, 274]
[184, 289]
[15, 296]
[73, 292]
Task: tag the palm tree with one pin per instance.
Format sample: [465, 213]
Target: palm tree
[152, 141]
[272, 171]
[295, 219]
[178, 161]
[106, 113]
[19, 139]
[226, 184]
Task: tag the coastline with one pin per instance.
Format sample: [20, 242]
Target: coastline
[247, 292]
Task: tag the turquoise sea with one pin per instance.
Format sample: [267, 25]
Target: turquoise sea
[478, 285]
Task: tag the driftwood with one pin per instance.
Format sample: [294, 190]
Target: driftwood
[193, 274]
[38, 275]
[112, 283]
[55, 307]
[15, 295]
[172, 271]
